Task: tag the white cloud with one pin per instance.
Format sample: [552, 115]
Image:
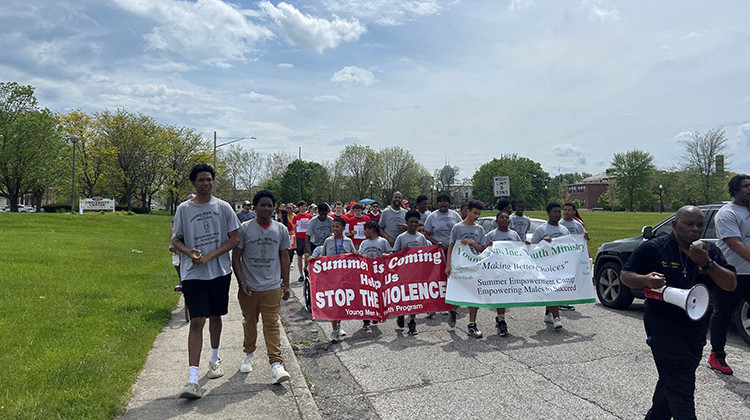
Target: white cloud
[316, 33]
[744, 132]
[601, 11]
[568, 153]
[352, 75]
[167, 66]
[259, 97]
[682, 137]
[285, 65]
[692, 35]
[210, 31]
[387, 12]
[520, 4]
[327, 98]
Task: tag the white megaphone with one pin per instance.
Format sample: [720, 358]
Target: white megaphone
[694, 301]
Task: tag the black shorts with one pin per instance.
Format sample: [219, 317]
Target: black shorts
[300, 246]
[205, 298]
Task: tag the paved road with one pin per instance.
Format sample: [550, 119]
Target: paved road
[597, 367]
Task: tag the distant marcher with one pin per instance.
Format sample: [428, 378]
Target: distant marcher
[245, 214]
[733, 231]
[422, 204]
[575, 228]
[356, 224]
[467, 232]
[337, 244]
[301, 221]
[464, 210]
[261, 265]
[437, 227]
[518, 222]
[676, 341]
[548, 231]
[374, 212]
[410, 238]
[205, 230]
[393, 220]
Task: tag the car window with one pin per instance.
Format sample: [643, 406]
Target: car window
[664, 229]
[710, 226]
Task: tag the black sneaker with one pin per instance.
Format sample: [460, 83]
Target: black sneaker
[413, 327]
[502, 327]
[301, 279]
[374, 322]
[452, 320]
[366, 325]
[567, 308]
[474, 330]
[400, 321]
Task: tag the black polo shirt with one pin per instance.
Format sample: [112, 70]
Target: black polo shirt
[663, 255]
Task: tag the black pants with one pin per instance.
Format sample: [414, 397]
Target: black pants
[725, 303]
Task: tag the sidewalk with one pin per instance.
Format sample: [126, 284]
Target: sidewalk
[233, 396]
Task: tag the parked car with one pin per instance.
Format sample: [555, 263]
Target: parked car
[21, 209]
[611, 256]
[488, 223]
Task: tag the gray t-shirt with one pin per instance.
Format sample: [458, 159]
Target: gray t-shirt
[733, 220]
[423, 217]
[548, 230]
[333, 246]
[439, 225]
[499, 235]
[374, 247]
[520, 224]
[463, 231]
[574, 226]
[389, 220]
[205, 227]
[318, 230]
[406, 239]
[261, 265]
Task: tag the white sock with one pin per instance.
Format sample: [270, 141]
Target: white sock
[193, 374]
[214, 356]
[274, 364]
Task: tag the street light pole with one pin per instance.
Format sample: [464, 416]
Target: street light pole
[73, 139]
[216, 146]
[661, 199]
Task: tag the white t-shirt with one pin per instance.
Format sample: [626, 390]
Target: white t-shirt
[733, 220]
[548, 230]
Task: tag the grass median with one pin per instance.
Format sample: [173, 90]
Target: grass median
[79, 310]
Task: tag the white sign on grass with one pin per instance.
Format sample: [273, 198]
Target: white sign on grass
[96, 204]
[509, 274]
[502, 186]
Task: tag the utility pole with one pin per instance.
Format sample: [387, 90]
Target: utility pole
[299, 175]
[214, 150]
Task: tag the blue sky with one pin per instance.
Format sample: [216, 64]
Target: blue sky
[565, 83]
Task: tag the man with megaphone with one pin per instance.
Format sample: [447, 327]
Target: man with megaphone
[678, 260]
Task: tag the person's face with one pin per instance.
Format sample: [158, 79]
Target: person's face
[338, 209]
[507, 209]
[554, 215]
[246, 207]
[742, 196]
[503, 221]
[396, 200]
[412, 223]
[568, 213]
[464, 212]
[689, 227]
[357, 211]
[338, 229]
[374, 207]
[314, 210]
[520, 207]
[322, 214]
[422, 206]
[264, 208]
[290, 208]
[443, 206]
[474, 214]
[369, 233]
[303, 209]
[204, 183]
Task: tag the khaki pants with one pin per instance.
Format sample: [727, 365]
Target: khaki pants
[266, 304]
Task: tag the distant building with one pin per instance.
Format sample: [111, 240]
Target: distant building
[461, 194]
[589, 190]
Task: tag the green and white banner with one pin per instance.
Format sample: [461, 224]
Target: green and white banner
[510, 274]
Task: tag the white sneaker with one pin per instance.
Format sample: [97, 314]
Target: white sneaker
[215, 370]
[247, 364]
[548, 318]
[341, 332]
[557, 323]
[279, 374]
[190, 390]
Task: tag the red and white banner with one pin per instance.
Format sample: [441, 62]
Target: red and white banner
[351, 286]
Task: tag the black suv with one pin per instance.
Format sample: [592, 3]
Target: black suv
[611, 256]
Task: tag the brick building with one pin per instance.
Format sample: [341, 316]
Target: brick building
[589, 190]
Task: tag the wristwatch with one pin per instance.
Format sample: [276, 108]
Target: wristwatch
[709, 265]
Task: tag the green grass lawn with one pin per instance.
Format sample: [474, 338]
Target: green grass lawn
[79, 311]
[605, 226]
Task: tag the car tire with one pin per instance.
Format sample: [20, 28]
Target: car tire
[610, 290]
[742, 320]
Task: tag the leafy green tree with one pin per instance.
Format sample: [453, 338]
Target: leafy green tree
[184, 149]
[312, 176]
[400, 171]
[92, 157]
[357, 166]
[527, 180]
[30, 144]
[633, 171]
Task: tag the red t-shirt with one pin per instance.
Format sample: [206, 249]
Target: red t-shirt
[300, 222]
[357, 227]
